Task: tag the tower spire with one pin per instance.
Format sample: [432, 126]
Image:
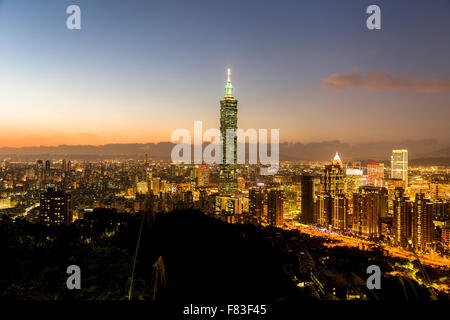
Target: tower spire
[229, 86]
[337, 159]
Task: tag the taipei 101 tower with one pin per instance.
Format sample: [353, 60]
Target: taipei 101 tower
[228, 123]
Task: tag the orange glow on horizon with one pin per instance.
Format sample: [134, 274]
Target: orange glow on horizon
[53, 138]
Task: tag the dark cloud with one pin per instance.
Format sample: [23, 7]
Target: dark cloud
[379, 80]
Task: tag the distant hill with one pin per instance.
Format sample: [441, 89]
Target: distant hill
[428, 152]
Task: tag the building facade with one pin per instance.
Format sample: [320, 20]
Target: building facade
[228, 129]
[55, 207]
[369, 206]
[399, 165]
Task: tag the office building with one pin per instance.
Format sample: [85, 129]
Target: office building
[333, 176]
[55, 207]
[375, 174]
[422, 223]
[275, 207]
[257, 200]
[353, 180]
[399, 165]
[307, 198]
[339, 212]
[402, 218]
[369, 206]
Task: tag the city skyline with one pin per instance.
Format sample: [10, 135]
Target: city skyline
[62, 87]
[176, 154]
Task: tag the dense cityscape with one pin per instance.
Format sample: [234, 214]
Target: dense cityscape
[401, 211]
[225, 159]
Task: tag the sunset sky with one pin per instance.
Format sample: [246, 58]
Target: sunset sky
[138, 69]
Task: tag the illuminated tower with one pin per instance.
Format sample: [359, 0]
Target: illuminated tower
[228, 128]
[333, 176]
[339, 212]
[402, 226]
[399, 165]
[422, 225]
[369, 206]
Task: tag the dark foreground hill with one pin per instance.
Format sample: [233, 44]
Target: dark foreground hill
[188, 257]
[182, 256]
[207, 258]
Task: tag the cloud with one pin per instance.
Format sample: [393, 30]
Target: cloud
[379, 80]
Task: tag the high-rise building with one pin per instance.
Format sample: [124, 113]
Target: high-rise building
[257, 199]
[142, 187]
[47, 172]
[275, 204]
[40, 170]
[155, 185]
[307, 198]
[333, 176]
[55, 207]
[228, 130]
[241, 183]
[339, 212]
[440, 191]
[201, 175]
[399, 165]
[47, 165]
[422, 222]
[229, 208]
[353, 180]
[402, 224]
[332, 184]
[323, 210]
[413, 220]
[369, 206]
[375, 174]
[446, 236]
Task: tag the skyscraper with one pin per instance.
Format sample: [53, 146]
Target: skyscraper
[369, 205]
[402, 226]
[275, 201]
[307, 198]
[333, 184]
[339, 212]
[47, 165]
[323, 205]
[228, 130]
[333, 176]
[257, 199]
[40, 170]
[200, 174]
[413, 220]
[353, 180]
[55, 207]
[422, 222]
[375, 174]
[399, 165]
